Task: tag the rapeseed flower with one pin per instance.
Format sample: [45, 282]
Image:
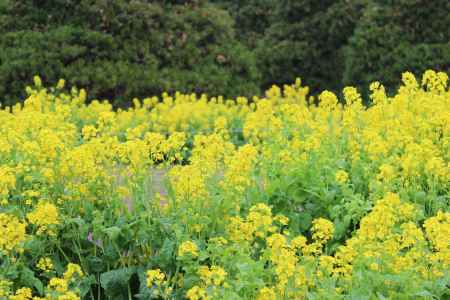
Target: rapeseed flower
[155, 277]
[45, 264]
[13, 233]
[188, 248]
[45, 217]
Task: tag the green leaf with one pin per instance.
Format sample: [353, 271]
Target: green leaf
[144, 291]
[27, 278]
[167, 251]
[340, 228]
[96, 264]
[85, 285]
[113, 232]
[304, 220]
[115, 282]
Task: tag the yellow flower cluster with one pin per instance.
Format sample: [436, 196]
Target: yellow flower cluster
[7, 182]
[390, 238]
[5, 286]
[259, 223]
[45, 217]
[197, 293]
[389, 241]
[322, 230]
[188, 248]
[155, 277]
[12, 233]
[57, 288]
[45, 264]
[341, 176]
[73, 270]
[212, 276]
[22, 294]
[280, 197]
[266, 294]
[212, 279]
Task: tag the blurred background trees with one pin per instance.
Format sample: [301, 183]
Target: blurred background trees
[394, 36]
[123, 49]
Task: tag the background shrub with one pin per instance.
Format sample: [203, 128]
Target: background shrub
[394, 36]
[135, 48]
[305, 39]
[124, 49]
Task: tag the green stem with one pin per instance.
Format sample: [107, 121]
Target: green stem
[120, 254]
[99, 290]
[77, 248]
[129, 292]
[63, 253]
[91, 292]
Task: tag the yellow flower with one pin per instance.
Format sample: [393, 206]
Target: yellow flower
[44, 217]
[322, 230]
[61, 84]
[72, 270]
[341, 176]
[22, 294]
[45, 264]
[7, 182]
[155, 277]
[283, 220]
[352, 97]
[197, 293]
[89, 132]
[5, 286]
[299, 242]
[387, 173]
[327, 100]
[266, 293]
[12, 233]
[212, 276]
[188, 247]
[219, 241]
[437, 229]
[69, 295]
[37, 81]
[59, 284]
[374, 266]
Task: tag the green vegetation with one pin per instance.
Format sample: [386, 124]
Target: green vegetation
[124, 49]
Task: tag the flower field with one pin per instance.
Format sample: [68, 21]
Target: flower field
[188, 197]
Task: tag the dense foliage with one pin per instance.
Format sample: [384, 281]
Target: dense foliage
[124, 49]
[306, 39]
[190, 197]
[393, 36]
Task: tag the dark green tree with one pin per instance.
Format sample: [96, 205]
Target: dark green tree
[120, 49]
[252, 18]
[396, 36]
[306, 40]
[123, 49]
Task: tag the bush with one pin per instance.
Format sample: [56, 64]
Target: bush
[306, 40]
[393, 36]
[125, 49]
[252, 18]
[137, 48]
